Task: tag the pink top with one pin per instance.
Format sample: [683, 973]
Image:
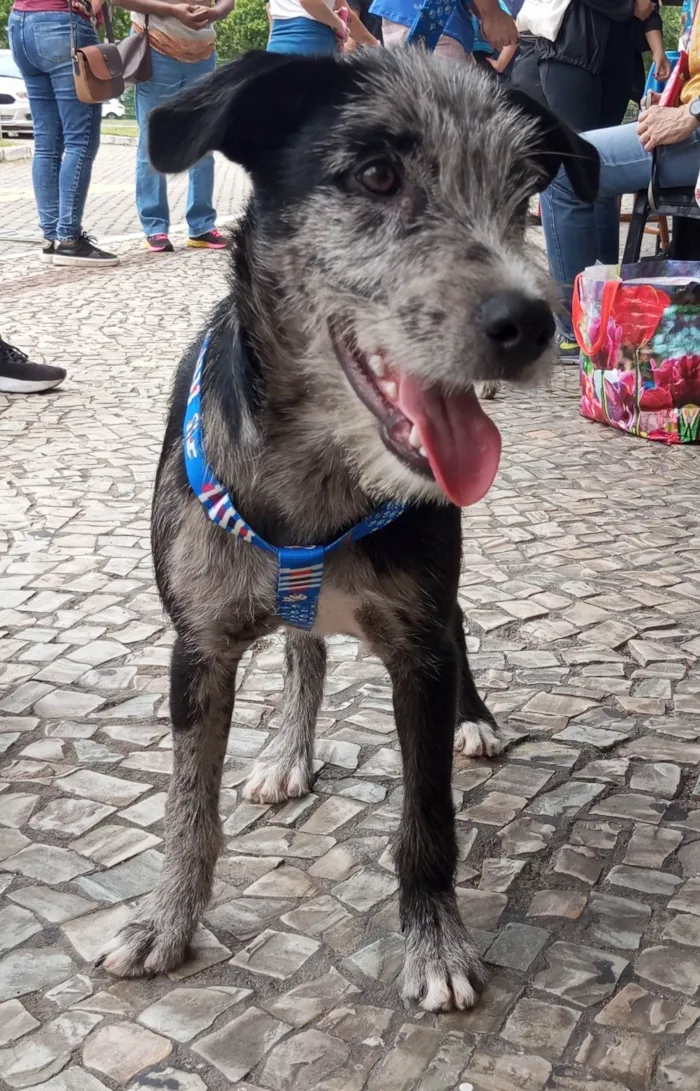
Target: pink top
[80, 7]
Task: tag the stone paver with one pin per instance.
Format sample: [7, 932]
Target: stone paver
[579, 861]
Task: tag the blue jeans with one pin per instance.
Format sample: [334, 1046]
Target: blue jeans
[305, 37]
[170, 77]
[66, 132]
[578, 235]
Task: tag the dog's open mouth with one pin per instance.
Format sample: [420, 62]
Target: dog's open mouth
[446, 436]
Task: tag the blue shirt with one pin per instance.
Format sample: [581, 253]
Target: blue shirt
[458, 26]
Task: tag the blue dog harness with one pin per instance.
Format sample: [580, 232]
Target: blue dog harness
[299, 568]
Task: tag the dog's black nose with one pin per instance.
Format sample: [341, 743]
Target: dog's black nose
[519, 328]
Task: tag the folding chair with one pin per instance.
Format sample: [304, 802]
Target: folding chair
[679, 205]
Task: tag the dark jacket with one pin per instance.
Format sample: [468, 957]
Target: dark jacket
[587, 28]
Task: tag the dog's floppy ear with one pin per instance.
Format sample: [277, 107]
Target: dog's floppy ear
[559, 146]
[246, 109]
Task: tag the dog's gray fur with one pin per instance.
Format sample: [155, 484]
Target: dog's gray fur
[410, 275]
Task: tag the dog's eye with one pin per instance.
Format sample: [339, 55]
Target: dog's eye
[380, 177]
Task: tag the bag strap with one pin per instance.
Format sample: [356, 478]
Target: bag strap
[107, 16]
[606, 305]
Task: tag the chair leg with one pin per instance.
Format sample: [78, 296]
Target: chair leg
[640, 214]
[664, 239]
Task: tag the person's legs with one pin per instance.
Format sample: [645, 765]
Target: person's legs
[570, 227]
[48, 136]
[151, 187]
[48, 44]
[572, 93]
[201, 215]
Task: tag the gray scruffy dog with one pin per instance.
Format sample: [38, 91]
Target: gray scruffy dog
[378, 273]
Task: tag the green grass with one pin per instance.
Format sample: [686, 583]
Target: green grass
[7, 143]
[119, 127]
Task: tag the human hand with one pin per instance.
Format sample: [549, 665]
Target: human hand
[340, 25]
[643, 9]
[192, 16]
[662, 67]
[499, 29]
[661, 125]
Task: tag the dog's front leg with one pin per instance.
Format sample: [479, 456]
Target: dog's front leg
[285, 769]
[442, 968]
[477, 731]
[201, 703]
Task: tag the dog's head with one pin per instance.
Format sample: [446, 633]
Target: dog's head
[389, 200]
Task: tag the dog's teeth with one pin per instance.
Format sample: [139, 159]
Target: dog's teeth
[390, 389]
[376, 364]
[422, 451]
[414, 437]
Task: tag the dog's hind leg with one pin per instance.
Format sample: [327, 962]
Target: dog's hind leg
[201, 704]
[285, 769]
[442, 967]
[477, 731]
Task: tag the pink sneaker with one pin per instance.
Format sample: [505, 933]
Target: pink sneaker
[213, 240]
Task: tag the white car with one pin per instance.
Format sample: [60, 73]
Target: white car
[15, 115]
[113, 108]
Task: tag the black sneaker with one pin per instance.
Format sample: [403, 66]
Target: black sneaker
[82, 251]
[568, 350]
[18, 375]
[48, 249]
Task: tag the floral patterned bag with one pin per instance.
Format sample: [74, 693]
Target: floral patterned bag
[638, 327]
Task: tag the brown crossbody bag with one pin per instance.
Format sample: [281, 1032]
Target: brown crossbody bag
[101, 72]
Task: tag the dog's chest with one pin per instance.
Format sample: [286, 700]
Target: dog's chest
[337, 613]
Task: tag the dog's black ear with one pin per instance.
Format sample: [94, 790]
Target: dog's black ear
[560, 146]
[246, 109]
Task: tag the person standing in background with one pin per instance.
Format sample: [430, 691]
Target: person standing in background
[314, 27]
[66, 131]
[587, 72]
[183, 51]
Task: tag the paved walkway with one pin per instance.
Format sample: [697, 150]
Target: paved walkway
[580, 850]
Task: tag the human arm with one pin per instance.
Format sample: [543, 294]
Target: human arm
[498, 26]
[644, 9]
[662, 65]
[320, 11]
[190, 15]
[220, 10]
[358, 32]
[501, 62]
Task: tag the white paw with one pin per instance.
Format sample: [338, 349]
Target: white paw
[487, 391]
[477, 740]
[273, 783]
[142, 949]
[448, 977]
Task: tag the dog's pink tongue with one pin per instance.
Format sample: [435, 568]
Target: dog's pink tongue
[463, 444]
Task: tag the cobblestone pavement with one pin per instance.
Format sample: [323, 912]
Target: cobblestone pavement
[579, 851]
[111, 210]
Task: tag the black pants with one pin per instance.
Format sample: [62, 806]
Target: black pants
[586, 101]
[526, 72]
